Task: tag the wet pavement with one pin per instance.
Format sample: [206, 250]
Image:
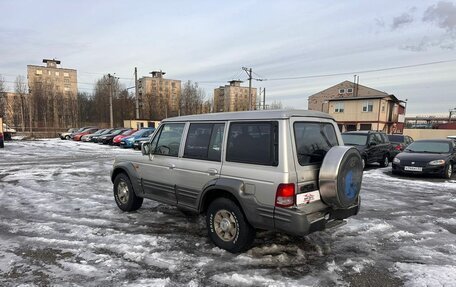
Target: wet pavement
[60, 227]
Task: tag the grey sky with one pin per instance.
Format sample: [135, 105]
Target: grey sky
[209, 42]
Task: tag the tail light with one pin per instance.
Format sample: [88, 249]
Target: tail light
[285, 195]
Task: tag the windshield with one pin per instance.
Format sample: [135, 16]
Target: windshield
[429, 146]
[127, 132]
[144, 132]
[313, 141]
[396, 138]
[354, 139]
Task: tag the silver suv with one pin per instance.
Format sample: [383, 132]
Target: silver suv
[276, 170]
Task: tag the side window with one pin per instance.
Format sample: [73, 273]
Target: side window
[167, 140]
[253, 142]
[375, 138]
[204, 141]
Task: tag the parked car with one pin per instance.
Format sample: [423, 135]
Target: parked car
[246, 171]
[374, 146]
[107, 139]
[452, 138]
[78, 136]
[142, 133]
[79, 131]
[88, 137]
[139, 141]
[399, 143]
[66, 135]
[8, 132]
[116, 140]
[436, 156]
[96, 137]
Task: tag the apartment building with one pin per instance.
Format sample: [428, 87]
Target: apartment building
[233, 97]
[160, 97]
[53, 94]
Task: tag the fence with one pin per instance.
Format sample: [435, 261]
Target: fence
[418, 134]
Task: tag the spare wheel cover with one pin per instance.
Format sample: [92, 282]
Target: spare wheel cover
[340, 178]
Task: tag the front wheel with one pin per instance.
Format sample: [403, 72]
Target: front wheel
[385, 161]
[124, 194]
[227, 226]
[67, 137]
[448, 171]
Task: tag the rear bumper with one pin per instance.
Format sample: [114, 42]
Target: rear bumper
[296, 222]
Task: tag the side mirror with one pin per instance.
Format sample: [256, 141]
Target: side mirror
[145, 148]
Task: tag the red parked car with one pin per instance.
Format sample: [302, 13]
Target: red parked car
[78, 136]
[118, 139]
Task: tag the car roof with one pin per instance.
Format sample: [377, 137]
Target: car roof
[436, 140]
[251, 115]
[361, 132]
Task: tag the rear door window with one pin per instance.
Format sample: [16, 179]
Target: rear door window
[313, 141]
[204, 141]
[253, 142]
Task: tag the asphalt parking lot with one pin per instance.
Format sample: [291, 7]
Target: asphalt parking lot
[60, 227]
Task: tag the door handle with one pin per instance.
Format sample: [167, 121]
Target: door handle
[212, 171]
[171, 166]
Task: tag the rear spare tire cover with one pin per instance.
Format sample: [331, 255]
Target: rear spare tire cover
[340, 178]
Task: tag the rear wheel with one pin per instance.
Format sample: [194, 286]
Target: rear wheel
[124, 194]
[67, 137]
[448, 171]
[227, 226]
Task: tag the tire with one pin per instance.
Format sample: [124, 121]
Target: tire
[448, 171]
[2, 144]
[395, 172]
[385, 161]
[227, 226]
[67, 138]
[124, 194]
[364, 162]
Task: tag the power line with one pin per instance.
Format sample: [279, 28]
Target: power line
[359, 72]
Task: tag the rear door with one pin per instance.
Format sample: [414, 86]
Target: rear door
[200, 161]
[312, 139]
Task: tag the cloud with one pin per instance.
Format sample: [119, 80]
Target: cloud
[401, 21]
[444, 14]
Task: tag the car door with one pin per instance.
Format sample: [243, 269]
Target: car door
[200, 162]
[372, 148]
[157, 172]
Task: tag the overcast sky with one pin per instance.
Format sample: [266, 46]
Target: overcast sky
[209, 41]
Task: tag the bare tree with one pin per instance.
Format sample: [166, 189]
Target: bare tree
[192, 98]
[276, 105]
[21, 91]
[2, 98]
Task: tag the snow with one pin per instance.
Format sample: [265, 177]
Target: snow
[60, 227]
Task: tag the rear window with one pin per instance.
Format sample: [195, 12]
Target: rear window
[253, 142]
[313, 141]
[354, 139]
[396, 138]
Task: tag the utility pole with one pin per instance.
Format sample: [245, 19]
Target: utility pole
[136, 93]
[249, 73]
[111, 118]
[264, 98]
